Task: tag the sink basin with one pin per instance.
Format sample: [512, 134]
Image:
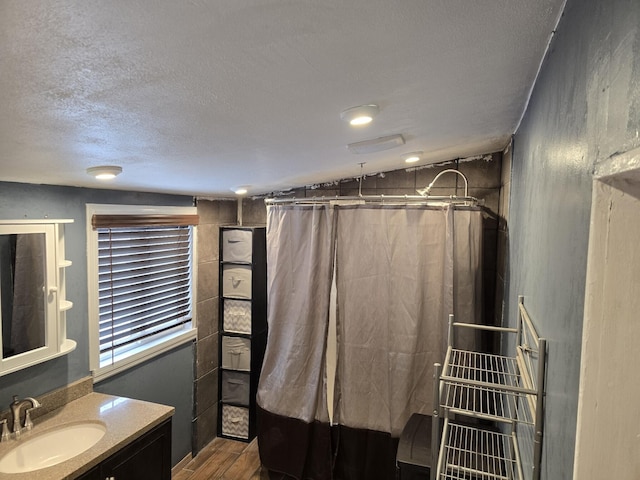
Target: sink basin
[40, 450]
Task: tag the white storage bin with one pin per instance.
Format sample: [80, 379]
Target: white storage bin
[236, 245]
[236, 353]
[236, 316]
[236, 281]
[235, 387]
[235, 421]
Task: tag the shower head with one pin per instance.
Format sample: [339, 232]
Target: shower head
[425, 191]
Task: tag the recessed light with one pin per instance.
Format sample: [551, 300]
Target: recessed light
[361, 115]
[412, 157]
[105, 172]
[242, 190]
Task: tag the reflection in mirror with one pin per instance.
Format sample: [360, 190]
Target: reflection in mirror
[22, 292]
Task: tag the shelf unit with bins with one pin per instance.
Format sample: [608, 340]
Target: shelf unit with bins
[491, 407]
[243, 328]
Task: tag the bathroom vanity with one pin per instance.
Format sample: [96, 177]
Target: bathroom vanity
[136, 443]
[147, 458]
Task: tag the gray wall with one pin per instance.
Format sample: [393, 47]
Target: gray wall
[24, 201]
[166, 379]
[585, 107]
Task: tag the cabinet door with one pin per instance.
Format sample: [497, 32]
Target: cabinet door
[93, 474]
[148, 458]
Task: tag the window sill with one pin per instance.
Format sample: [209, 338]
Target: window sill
[146, 354]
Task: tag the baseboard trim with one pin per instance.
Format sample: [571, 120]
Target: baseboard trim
[181, 464]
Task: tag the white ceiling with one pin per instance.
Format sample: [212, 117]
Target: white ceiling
[199, 97]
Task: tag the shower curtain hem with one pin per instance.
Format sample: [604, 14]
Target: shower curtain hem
[296, 448]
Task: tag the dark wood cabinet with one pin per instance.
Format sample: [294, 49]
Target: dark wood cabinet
[93, 474]
[146, 458]
[243, 328]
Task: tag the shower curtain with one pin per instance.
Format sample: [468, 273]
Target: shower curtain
[293, 421]
[400, 270]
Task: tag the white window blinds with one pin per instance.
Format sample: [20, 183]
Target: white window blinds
[144, 286]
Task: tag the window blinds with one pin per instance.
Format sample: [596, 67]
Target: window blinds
[144, 276]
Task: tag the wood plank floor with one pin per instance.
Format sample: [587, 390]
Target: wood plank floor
[224, 459]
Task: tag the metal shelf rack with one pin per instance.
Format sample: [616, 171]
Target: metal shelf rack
[491, 407]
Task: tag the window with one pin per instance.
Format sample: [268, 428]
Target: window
[141, 283]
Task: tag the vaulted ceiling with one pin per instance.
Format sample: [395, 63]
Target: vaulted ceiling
[200, 97]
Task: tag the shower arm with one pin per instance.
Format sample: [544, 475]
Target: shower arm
[422, 198]
[425, 191]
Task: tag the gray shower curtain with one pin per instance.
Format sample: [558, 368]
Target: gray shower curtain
[400, 270]
[293, 420]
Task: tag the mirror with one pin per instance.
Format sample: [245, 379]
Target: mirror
[32, 293]
[22, 292]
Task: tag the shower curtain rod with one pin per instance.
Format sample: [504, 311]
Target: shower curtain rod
[383, 199]
[423, 199]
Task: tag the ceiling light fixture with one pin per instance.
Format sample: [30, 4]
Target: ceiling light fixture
[105, 172]
[240, 190]
[361, 115]
[412, 157]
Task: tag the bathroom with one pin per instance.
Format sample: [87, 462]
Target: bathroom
[582, 114]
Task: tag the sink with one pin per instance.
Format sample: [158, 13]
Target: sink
[33, 452]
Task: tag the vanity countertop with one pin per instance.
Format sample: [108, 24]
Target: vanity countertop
[126, 419]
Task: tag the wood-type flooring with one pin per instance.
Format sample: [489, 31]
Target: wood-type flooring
[223, 459]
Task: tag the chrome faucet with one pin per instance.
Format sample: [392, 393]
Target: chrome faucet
[16, 406]
[5, 436]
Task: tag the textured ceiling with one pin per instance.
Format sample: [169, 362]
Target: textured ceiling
[199, 97]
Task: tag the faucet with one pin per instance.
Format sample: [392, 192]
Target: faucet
[16, 406]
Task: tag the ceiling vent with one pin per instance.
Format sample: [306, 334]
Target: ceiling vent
[376, 144]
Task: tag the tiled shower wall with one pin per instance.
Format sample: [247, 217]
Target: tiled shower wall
[488, 181]
[212, 214]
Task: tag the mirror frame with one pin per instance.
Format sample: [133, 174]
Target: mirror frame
[56, 342]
